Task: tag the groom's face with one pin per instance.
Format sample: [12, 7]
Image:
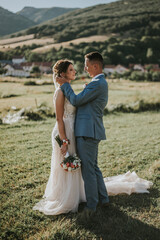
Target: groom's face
[89, 67]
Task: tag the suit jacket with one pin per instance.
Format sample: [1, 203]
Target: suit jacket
[90, 104]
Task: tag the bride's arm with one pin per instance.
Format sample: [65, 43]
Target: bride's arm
[59, 117]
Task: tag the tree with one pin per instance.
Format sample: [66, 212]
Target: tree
[79, 67]
[151, 57]
[2, 70]
[156, 76]
[34, 57]
[36, 71]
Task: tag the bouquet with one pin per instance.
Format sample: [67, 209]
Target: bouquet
[69, 163]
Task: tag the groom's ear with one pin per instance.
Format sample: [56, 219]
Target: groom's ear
[95, 65]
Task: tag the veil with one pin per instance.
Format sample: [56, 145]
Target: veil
[55, 83]
[57, 86]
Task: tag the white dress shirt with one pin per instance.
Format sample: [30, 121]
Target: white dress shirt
[96, 78]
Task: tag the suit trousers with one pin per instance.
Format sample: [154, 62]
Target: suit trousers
[95, 189]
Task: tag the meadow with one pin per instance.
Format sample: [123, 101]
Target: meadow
[133, 144]
[120, 91]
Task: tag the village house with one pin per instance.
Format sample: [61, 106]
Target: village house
[110, 69]
[137, 67]
[18, 67]
[120, 69]
[27, 66]
[16, 71]
[152, 67]
[145, 68]
[18, 59]
[45, 67]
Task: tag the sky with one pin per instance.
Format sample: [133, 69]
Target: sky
[17, 5]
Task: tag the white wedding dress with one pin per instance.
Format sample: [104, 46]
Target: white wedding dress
[65, 190]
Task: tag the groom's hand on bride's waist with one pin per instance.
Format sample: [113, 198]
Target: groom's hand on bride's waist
[61, 80]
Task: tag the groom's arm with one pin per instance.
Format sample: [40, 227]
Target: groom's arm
[92, 90]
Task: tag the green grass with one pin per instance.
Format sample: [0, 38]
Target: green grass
[133, 143]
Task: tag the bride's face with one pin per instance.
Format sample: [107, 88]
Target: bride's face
[71, 73]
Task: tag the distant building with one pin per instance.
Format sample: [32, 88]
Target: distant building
[18, 59]
[24, 69]
[45, 67]
[152, 67]
[120, 69]
[27, 66]
[110, 69]
[137, 67]
[16, 71]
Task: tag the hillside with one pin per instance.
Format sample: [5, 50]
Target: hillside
[127, 17]
[125, 32]
[11, 22]
[39, 15]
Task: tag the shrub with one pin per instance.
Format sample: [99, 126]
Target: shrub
[28, 83]
[156, 76]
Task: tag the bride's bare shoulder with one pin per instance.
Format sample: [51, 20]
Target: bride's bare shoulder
[59, 95]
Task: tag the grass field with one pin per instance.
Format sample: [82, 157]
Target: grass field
[120, 91]
[133, 143]
[5, 41]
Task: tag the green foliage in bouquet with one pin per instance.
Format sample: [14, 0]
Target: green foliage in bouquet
[71, 163]
[58, 140]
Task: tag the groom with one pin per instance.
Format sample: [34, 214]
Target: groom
[89, 129]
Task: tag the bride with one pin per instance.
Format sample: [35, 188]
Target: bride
[65, 190]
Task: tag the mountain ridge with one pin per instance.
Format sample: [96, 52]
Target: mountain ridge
[39, 15]
[126, 17]
[11, 22]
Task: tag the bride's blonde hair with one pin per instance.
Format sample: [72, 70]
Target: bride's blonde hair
[61, 66]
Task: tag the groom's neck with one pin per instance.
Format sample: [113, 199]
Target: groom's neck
[97, 72]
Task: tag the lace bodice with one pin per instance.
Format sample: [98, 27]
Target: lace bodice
[69, 109]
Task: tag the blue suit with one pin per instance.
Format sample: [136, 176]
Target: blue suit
[89, 130]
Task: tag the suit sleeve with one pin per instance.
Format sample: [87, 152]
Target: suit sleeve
[92, 90]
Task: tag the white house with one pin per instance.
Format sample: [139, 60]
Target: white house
[109, 69]
[45, 67]
[120, 69]
[138, 67]
[16, 71]
[27, 66]
[18, 59]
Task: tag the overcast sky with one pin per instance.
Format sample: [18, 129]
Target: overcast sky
[17, 5]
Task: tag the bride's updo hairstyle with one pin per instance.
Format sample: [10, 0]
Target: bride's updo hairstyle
[61, 66]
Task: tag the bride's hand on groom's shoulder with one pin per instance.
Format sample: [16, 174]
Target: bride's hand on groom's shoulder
[61, 80]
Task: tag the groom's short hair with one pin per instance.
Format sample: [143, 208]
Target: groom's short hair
[95, 57]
